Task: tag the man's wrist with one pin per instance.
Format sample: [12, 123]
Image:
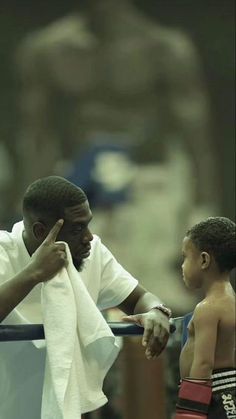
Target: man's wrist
[165, 310]
[34, 274]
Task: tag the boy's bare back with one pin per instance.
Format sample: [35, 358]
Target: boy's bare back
[218, 309]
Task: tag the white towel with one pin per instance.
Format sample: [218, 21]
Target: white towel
[80, 347]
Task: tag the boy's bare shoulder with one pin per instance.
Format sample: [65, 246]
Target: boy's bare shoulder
[213, 308]
[205, 306]
[206, 314]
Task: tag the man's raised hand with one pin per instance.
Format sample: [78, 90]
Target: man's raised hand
[50, 257]
[53, 233]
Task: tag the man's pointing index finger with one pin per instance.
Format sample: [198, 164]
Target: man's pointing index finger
[53, 233]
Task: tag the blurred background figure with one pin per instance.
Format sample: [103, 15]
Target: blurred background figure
[128, 99]
[104, 76]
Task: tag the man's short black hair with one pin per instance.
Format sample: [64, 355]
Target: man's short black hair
[216, 236]
[49, 196]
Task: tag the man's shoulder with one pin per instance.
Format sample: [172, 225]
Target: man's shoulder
[6, 246]
[8, 239]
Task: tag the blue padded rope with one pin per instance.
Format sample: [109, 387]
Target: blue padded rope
[11, 333]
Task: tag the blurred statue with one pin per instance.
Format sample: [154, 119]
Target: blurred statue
[110, 69]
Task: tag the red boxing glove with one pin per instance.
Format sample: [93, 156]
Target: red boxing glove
[193, 399]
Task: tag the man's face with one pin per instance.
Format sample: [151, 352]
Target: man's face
[75, 232]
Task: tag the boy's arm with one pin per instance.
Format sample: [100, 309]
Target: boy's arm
[194, 395]
[205, 334]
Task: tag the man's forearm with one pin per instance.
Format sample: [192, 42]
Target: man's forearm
[146, 302]
[139, 301]
[13, 291]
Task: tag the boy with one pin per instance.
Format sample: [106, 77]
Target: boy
[207, 360]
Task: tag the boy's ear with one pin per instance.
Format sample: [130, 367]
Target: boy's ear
[206, 259]
[39, 231]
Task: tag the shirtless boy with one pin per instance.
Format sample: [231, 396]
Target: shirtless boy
[207, 360]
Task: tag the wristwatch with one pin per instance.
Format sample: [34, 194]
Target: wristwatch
[165, 310]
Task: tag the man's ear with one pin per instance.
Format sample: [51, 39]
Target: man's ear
[39, 231]
[205, 260]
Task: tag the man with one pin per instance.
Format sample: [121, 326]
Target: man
[45, 263]
[50, 199]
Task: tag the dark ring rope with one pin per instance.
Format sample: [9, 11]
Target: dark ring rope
[11, 333]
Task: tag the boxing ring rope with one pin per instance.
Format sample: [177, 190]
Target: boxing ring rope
[27, 332]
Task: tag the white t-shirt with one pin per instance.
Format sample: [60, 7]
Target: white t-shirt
[21, 364]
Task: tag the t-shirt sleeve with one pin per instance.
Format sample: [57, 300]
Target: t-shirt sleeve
[116, 283]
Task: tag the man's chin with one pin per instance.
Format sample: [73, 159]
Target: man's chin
[79, 264]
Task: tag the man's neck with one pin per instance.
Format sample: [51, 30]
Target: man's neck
[30, 246]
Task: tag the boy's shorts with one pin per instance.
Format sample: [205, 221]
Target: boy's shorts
[223, 404]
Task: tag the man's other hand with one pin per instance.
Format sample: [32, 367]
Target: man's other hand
[156, 330]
